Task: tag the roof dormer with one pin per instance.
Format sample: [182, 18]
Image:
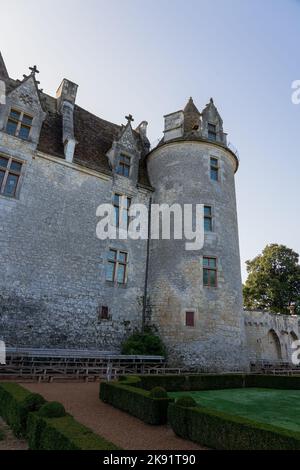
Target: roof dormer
[125, 154]
[22, 114]
[212, 124]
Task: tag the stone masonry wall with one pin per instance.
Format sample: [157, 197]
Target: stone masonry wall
[270, 336]
[52, 277]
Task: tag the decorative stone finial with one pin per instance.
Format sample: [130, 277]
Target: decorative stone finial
[129, 118]
[34, 70]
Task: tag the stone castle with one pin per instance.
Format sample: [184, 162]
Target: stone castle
[62, 287]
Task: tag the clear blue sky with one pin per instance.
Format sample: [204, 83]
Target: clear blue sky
[148, 57]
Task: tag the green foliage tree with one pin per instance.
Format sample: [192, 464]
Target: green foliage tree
[273, 280]
[146, 343]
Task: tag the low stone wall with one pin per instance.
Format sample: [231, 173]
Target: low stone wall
[270, 336]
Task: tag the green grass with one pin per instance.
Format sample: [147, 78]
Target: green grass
[277, 407]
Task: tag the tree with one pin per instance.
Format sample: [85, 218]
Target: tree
[146, 343]
[273, 280]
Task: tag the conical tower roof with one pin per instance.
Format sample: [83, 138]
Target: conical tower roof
[191, 119]
[190, 108]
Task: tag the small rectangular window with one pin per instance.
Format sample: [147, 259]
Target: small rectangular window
[10, 172]
[212, 132]
[123, 167]
[116, 268]
[190, 319]
[214, 169]
[210, 271]
[104, 313]
[208, 219]
[19, 124]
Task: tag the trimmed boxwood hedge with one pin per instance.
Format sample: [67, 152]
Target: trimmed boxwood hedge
[288, 382]
[63, 434]
[174, 383]
[23, 411]
[128, 396]
[218, 430]
[15, 404]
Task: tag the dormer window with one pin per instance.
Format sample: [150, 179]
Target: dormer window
[19, 124]
[123, 167]
[212, 132]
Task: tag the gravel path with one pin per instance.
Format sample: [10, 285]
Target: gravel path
[10, 442]
[81, 400]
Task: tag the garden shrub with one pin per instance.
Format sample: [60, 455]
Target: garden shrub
[52, 409]
[174, 383]
[127, 396]
[218, 430]
[288, 382]
[147, 344]
[63, 433]
[15, 404]
[158, 392]
[25, 413]
[34, 401]
[186, 402]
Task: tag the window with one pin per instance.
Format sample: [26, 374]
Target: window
[212, 131]
[19, 124]
[116, 269]
[123, 167]
[214, 169]
[190, 319]
[103, 314]
[121, 210]
[208, 219]
[209, 272]
[10, 171]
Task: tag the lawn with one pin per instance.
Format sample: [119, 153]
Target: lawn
[278, 407]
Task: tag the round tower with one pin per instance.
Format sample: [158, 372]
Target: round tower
[195, 297]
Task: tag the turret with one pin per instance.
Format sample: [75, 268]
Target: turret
[196, 296]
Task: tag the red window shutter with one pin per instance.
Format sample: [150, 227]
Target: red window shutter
[190, 318]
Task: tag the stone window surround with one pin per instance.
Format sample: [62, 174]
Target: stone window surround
[127, 155]
[212, 217]
[21, 175]
[115, 282]
[22, 112]
[212, 130]
[218, 168]
[183, 317]
[208, 286]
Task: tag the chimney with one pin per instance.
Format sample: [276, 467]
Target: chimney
[66, 96]
[3, 69]
[173, 126]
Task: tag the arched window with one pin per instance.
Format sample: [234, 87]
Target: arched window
[271, 347]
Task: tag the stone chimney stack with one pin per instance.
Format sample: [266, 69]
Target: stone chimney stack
[66, 96]
[142, 129]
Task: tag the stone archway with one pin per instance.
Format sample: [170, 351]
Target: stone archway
[292, 337]
[271, 347]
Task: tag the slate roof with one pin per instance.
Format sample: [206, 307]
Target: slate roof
[94, 135]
